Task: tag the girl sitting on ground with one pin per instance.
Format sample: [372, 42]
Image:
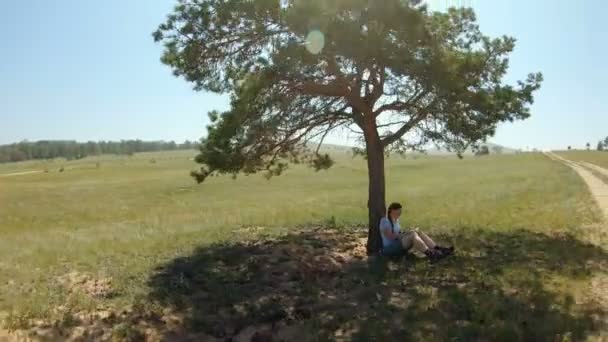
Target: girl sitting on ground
[395, 242]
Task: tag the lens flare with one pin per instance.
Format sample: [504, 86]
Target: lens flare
[315, 41]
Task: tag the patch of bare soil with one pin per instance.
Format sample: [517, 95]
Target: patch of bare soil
[5, 336]
[107, 325]
[95, 287]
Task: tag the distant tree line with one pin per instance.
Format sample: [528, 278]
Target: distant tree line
[47, 149]
[482, 151]
[602, 145]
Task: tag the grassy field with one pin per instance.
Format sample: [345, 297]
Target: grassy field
[599, 158]
[529, 241]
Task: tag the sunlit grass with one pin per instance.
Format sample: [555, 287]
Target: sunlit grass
[127, 216]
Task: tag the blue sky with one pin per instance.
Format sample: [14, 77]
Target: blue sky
[89, 70]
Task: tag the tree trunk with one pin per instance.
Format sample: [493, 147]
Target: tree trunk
[376, 201]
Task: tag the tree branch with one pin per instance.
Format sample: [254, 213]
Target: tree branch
[313, 88]
[334, 69]
[378, 90]
[404, 129]
[370, 80]
[391, 124]
[329, 128]
[353, 131]
[400, 105]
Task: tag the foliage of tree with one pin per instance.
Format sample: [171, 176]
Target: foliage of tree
[588, 146]
[46, 149]
[600, 146]
[569, 148]
[392, 71]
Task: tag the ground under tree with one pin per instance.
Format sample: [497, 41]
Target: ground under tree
[393, 71]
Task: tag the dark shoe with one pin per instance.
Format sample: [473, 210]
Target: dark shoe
[445, 250]
[433, 255]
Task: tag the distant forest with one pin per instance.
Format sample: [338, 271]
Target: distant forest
[74, 150]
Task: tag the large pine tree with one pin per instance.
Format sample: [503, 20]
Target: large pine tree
[399, 74]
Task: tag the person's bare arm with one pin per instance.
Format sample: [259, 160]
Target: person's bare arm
[390, 234]
[394, 235]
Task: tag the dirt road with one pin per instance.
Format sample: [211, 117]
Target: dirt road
[598, 188]
[595, 168]
[18, 173]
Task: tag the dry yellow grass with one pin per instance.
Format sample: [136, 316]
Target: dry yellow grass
[520, 221]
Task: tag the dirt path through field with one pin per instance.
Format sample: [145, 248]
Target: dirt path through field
[595, 168]
[18, 173]
[598, 188]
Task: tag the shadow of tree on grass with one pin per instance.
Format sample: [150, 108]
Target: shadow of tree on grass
[319, 285]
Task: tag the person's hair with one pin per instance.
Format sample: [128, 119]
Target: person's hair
[393, 206]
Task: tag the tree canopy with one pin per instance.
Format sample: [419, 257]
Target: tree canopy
[296, 69]
[392, 71]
